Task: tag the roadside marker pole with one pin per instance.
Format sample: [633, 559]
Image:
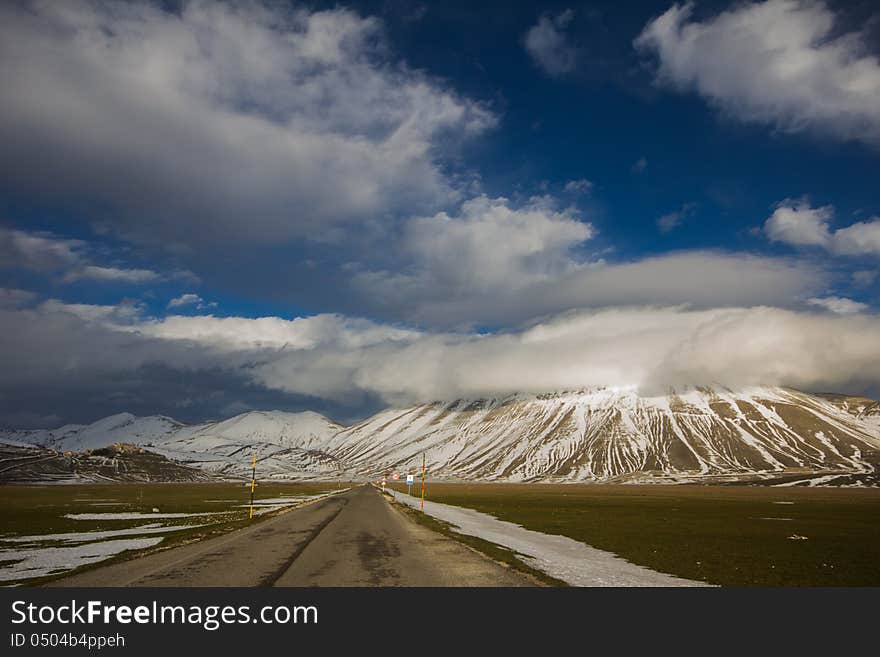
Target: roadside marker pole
[423, 482]
[253, 485]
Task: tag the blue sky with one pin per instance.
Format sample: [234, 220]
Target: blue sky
[342, 207]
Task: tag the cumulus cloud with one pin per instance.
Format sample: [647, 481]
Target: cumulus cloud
[52, 254]
[122, 314]
[838, 305]
[489, 247]
[549, 45]
[280, 123]
[96, 273]
[338, 359]
[672, 220]
[489, 243]
[38, 251]
[861, 238]
[496, 263]
[794, 69]
[190, 299]
[864, 277]
[243, 334]
[579, 186]
[796, 222]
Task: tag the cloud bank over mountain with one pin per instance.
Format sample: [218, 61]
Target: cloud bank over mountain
[350, 361]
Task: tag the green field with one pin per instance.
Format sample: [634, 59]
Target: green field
[728, 535]
[40, 541]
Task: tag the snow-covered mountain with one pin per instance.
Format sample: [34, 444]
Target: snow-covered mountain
[286, 444]
[615, 434]
[120, 428]
[282, 441]
[598, 434]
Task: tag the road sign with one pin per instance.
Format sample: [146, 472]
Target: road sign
[395, 476]
[410, 479]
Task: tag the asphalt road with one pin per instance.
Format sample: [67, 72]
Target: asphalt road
[356, 538]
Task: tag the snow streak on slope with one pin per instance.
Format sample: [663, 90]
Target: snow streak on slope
[610, 434]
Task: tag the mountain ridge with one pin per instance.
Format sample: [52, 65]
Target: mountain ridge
[592, 434]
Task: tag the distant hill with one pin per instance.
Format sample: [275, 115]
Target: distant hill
[284, 442]
[26, 464]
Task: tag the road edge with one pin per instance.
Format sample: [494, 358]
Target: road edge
[495, 553]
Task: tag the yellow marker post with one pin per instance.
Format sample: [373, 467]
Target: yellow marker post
[423, 482]
[253, 485]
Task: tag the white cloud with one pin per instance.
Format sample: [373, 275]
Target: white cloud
[864, 277]
[672, 220]
[279, 123]
[579, 186]
[489, 243]
[838, 305]
[783, 63]
[489, 248]
[121, 314]
[669, 222]
[499, 264]
[240, 333]
[190, 299]
[796, 222]
[111, 274]
[861, 238]
[38, 251]
[549, 46]
[52, 254]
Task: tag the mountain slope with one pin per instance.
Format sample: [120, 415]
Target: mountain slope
[865, 409]
[29, 464]
[597, 434]
[120, 428]
[604, 434]
[282, 441]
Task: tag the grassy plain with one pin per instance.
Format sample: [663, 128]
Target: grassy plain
[211, 508]
[728, 535]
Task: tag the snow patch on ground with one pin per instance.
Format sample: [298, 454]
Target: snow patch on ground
[136, 515]
[82, 537]
[47, 561]
[561, 557]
